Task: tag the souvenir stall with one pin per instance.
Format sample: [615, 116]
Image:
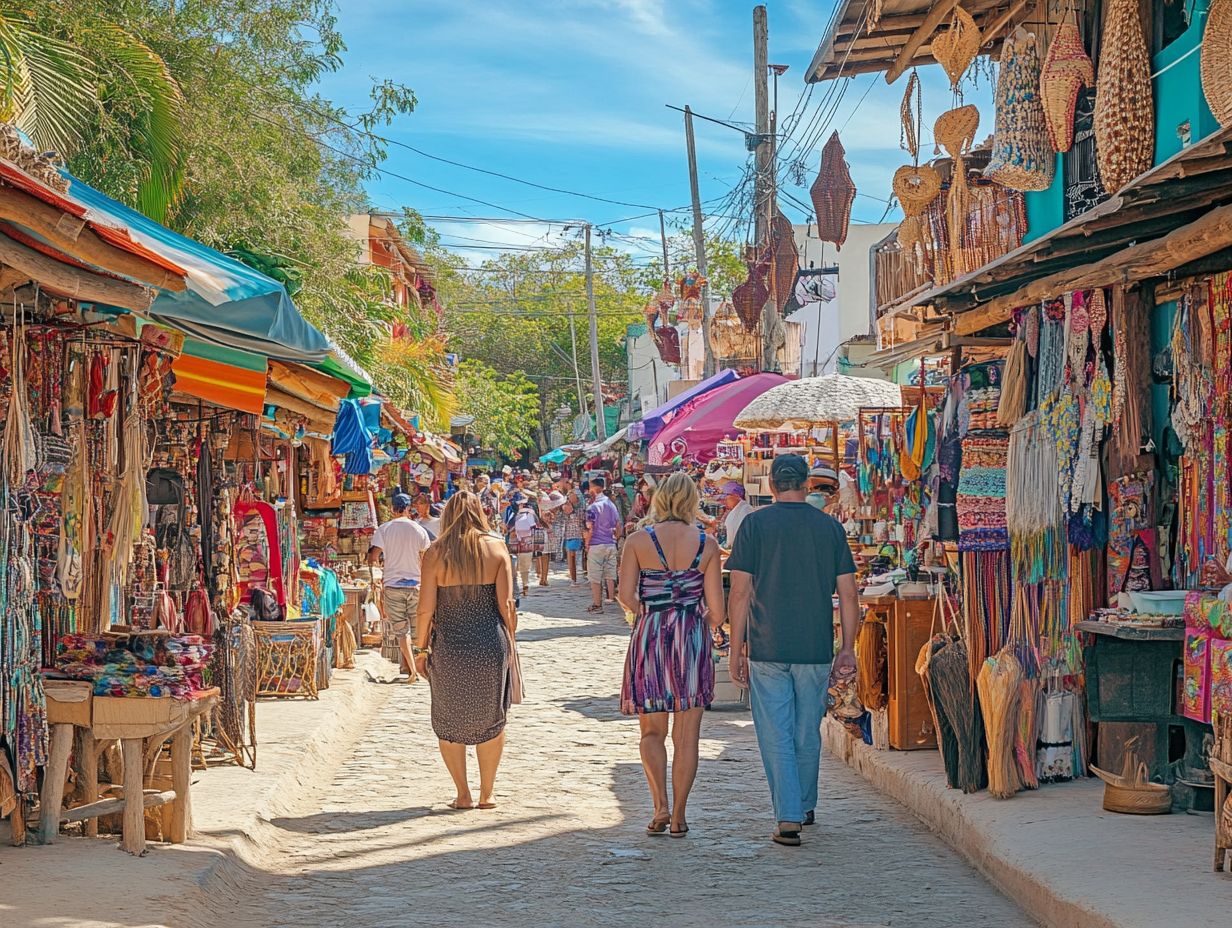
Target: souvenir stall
[698, 426]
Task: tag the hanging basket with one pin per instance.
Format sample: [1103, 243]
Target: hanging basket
[916, 187]
[750, 297]
[955, 129]
[728, 335]
[1067, 69]
[832, 193]
[1022, 157]
[1216, 53]
[957, 47]
[1124, 109]
[785, 259]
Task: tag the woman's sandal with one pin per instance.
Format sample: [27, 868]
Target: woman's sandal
[594, 610]
[786, 837]
[658, 826]
[457, 808]
[486, 805]
[679, 833]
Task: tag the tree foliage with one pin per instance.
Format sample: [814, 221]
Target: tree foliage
[505, 407]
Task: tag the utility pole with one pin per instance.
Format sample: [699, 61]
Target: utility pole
[667, 264]
[699, 243]
[764, 163]
[596, 376]
[577, 372]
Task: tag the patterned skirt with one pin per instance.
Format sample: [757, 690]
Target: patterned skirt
[669, 666]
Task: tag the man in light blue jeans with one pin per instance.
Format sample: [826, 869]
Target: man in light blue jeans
[787, 562]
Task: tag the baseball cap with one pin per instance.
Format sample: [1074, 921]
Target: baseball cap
[823, 472]
[731, 487]
[789, 466]
[401, 502]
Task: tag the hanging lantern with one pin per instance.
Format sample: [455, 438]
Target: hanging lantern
[750, 297]
[1067, 69]
[1022, 157]
[784, 259]
[1124, 108]
[832, 193]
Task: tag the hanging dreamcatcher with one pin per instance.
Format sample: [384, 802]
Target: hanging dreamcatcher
[957, 47]
[1022, 157]
[832, 193]
[1067, 69]
[1124, 108]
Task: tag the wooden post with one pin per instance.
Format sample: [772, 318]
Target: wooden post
[87, 759]
[699, 244]
[133, 839]
[53, 782]
[181, 772]
[72, 281]
[923, 32]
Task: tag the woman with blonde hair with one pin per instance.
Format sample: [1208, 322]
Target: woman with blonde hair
[672, 579]
[464, 643]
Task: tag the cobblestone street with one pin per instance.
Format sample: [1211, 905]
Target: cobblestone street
[376, 847]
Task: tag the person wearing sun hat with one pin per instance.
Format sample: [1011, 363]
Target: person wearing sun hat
[822, 486]
[550, 504]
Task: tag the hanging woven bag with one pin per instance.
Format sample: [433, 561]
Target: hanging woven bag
[916, 186]
[832, 194]
[1216, 55]
[1022, 158]
[1124, 108]
[957, 47]
[1067, 69]
[785, 259]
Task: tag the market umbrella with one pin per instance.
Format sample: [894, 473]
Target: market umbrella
[802, 404]
[699, 427]
[652, 422]
[555, 456]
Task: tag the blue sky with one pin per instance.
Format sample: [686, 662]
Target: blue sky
[571, 93]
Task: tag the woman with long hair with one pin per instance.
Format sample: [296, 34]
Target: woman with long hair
[464, 642]
[671, 578]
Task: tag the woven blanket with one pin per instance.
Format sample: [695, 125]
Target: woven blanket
[981, 494]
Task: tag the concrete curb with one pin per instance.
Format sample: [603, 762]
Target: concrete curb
[948, 813]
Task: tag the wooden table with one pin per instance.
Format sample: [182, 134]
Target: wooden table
[142, 725]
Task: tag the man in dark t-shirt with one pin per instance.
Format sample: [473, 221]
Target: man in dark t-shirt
[787, 561]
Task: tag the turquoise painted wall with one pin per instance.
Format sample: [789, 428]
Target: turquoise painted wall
[1045, 208]
[1161, 334]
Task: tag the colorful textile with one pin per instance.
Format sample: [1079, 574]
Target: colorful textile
[144, 666]
[1131, 536]
[981, 494]
[1196, 693]
[669, 667]
[1221, 677]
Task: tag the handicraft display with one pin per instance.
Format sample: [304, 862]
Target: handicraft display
[1022, 158]
[832, 193]
[1124, 107]
[1067, 69]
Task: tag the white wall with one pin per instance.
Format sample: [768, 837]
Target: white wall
[648, 375]
[825, 329]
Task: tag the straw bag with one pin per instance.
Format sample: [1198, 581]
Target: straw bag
[1216, 53]
[957, 47]
[1132, 792]
[955, 129]
[1067, 68]
[832, 193]
[1022, 158]
[1124, 108]
[916, 187]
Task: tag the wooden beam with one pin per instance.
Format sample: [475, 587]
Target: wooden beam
[73, 237]
[923, 32]
[91, 811]
[904, 23]
[989, 33]
[72, 281]
[1200, 238]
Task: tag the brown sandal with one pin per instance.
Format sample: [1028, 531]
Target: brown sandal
[788, 837]
[658, 826]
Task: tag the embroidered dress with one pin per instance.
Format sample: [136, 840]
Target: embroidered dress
[669, 667]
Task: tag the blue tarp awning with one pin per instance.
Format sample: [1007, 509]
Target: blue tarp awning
[652, 423]
[226, 302]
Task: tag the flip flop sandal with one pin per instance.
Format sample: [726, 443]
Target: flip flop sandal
[457, 808]
[595, 610]
[658, 827]
[486, 805]
[682, 832]
[787, 838]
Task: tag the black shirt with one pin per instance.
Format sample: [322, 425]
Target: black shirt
[796, 555]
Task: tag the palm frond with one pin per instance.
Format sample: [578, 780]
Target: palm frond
[414, 374]
[46, 86]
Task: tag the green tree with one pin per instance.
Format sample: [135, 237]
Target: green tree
[505, 406]
[725, 267]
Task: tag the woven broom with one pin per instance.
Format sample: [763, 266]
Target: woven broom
[1067, 68]
[1216, 53]
[1124, 108]
[947, 742]
[954, 696]
[997, 684]
[832, 194]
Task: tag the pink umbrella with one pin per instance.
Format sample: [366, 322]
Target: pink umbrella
[696, 429]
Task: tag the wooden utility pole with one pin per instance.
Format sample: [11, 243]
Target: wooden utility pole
[577, 372]
[667, 264]
[699, 243]
[763, 200]
[596, 376]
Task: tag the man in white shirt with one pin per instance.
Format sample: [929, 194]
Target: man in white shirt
[401, 542]
[737, 509]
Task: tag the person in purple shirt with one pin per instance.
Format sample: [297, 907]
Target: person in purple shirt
[603, 528]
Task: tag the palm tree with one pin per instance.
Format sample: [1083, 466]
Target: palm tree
[49, 88]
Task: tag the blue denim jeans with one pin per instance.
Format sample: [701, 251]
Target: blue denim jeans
[788, 701]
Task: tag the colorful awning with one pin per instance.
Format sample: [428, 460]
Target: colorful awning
[222, 376]
[653, 422]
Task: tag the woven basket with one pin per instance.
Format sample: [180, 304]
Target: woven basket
[728, 335]
[785, 259]
[955, 129]
[1134, 794]
[1067, 69]
[1022, 157]
[916, 187]
[1216, 53]
[832, 193]
[957, 47]
[750, 297]
[1124, 108]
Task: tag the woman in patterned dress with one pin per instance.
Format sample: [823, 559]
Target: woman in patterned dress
[672, 579]
[464, 643]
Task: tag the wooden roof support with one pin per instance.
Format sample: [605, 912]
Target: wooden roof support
[923, 32]
[990, 32]
[73, 282]
[1200, 238]
[73, 237]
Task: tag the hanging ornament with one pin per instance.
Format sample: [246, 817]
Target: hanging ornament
[750, 297]
[916, 187]
[957, 47]
[1067, 68]
[689, 287]
[910, 114]
[664, 300]
[833, 193]
[1124, 109]
[667, 340]
[1022, 158]
[1099, 314]
[784, 259]
[1216, 53]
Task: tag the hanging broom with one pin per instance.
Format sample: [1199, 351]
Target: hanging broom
[954, 695]
[998, 683]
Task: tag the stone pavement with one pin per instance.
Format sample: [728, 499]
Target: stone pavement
[372, 844]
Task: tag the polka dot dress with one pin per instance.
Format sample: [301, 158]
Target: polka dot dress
[469, 665]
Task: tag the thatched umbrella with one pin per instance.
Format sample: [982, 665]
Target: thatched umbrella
[813, 401]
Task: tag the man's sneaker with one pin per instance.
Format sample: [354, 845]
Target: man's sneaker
[810, 818]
